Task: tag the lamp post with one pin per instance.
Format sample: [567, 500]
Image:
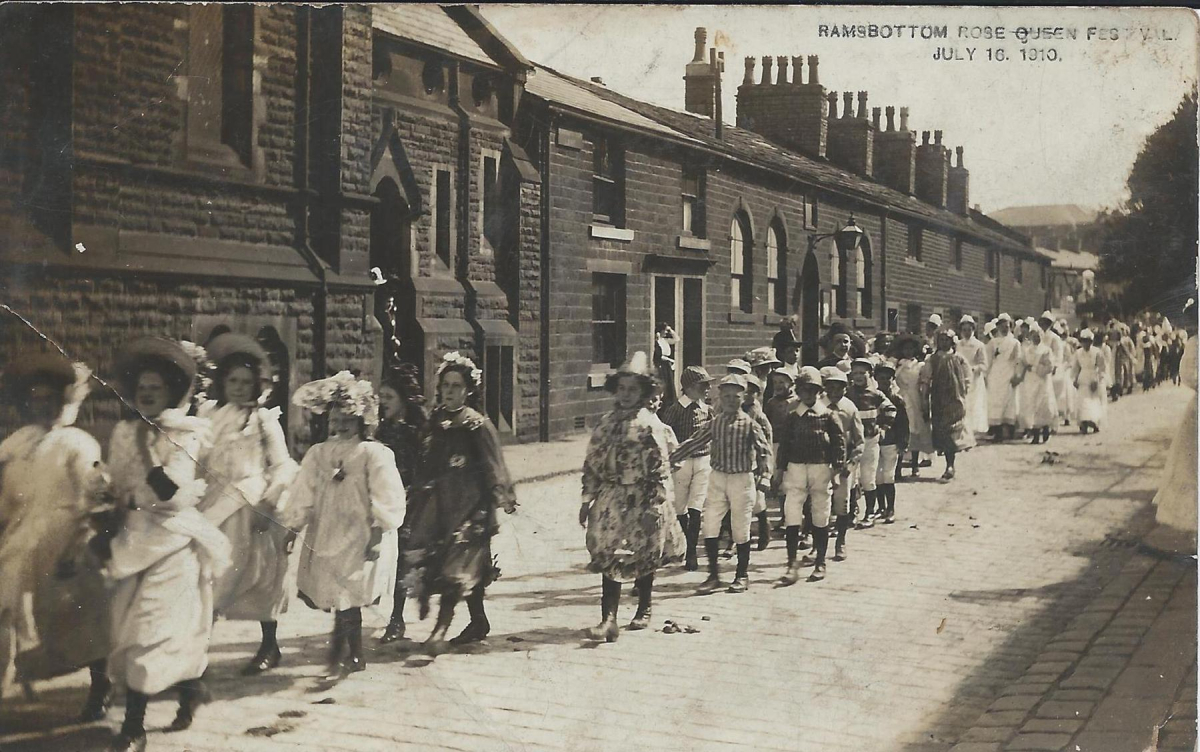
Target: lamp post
[846, 242]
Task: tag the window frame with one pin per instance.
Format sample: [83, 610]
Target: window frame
[440, 235]
[991, 263]
[232, 142]
[1018, 271]
[956, 255]
[916, 242]
[618, 323]
[692, 205]
[777, 297]
[608, 179]
[741, 264]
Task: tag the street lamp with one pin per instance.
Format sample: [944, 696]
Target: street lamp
[846, 241]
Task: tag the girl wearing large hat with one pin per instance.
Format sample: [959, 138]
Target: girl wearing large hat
[461, 481]
[626, 509]
[349, 496]
[402, 418]
[166, 553]
[248, 469]
[52, 481]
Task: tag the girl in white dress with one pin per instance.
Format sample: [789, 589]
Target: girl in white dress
[53, 599]
[1089, 375]
[1039, 411]
[349, 496]
[248, 469]
[975, 353]
[166, 554]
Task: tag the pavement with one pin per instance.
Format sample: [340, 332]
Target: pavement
[1012, 598]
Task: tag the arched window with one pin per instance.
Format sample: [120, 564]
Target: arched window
[741, 286]
[866, 301]
[839, 278]
[776, 269]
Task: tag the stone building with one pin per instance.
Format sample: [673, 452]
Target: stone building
[181, 170]
[655, 215]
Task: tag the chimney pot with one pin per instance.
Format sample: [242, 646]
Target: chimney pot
[748, 79]
[958, 150]
[701, 40]
[924, 138]
[903, 118]
[813, 78]
[597, 80]
[847, 104]
[875, 114]
[891, 118]
[720, 62]
[781, 76]
[797, 64]
[862, 105]
[833, 100]
[937, 138]
[767, 60]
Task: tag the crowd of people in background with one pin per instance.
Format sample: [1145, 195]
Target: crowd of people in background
[119, 561]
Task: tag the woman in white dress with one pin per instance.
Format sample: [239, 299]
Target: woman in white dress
[1005, 370]
[248, 469]
[166, 553]
[908, 382]
[1039, 411]
[1088, 379]
[53, 599]
[1176, 498]
[975, 353]
[349, 496]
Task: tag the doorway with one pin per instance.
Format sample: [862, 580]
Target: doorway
[391, 255]
[808, 307]
[679, 302]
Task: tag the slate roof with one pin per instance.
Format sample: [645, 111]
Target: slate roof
[753, 149]
[574, 95]
[1071, 259]
[429, 25]
[1045, 215]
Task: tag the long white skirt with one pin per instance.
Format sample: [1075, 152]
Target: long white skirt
[1092, 406]
[162, 621]
[977, 405]
[1176, 498]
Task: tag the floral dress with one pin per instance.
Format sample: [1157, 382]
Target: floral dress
[460, 481]
[945, 383]
[631, 526]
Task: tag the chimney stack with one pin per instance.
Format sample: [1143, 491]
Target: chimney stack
[932, 170]
[895, 154]
[767, 60]
[833, 100]
[784, 109]
[958, 186]
[852, 137]
[876, 113]
[699, 80]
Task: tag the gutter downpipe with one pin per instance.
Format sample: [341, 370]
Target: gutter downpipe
[303, 234]
[544, 312]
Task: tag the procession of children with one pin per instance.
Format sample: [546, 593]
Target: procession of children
[120, 561]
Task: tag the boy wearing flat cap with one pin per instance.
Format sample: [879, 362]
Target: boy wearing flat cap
[844, 499]
[741, 465]
[811, 457]
[685, 416]
[874, 410]
[893, 440]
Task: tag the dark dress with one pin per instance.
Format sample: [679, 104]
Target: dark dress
[460, 481]
[403, 437]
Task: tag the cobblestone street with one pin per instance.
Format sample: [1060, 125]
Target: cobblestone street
[1013, 575]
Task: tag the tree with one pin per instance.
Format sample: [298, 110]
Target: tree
[1150, 242]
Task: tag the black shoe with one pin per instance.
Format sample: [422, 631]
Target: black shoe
[474, 632]
[739, 585]
[640, 621]
[265, 660]
[189, 702]
[691, 565]
[128, 743]
[818, 573]
[395, 631]
[711, 585]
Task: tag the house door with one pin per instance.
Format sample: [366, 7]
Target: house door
[679, 302]
[808, 307]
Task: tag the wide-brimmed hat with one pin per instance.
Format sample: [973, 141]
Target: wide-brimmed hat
[885, 365]
[47, 368]
[737, 365]
[166, 356]
[229, 349]
[865, 362]
[737, 380]
[638, 365]
[780, 372]
[753, 381]
[343, 391]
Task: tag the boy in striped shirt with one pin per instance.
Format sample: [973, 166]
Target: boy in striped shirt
[741, 465]
[835, 383]
[685, 417]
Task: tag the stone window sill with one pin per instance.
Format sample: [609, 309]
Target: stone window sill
[608, 232]
[741, 317]
[598, 376]
[690, 243]
[914, 262]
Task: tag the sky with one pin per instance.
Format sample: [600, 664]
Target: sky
[1034, 131]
